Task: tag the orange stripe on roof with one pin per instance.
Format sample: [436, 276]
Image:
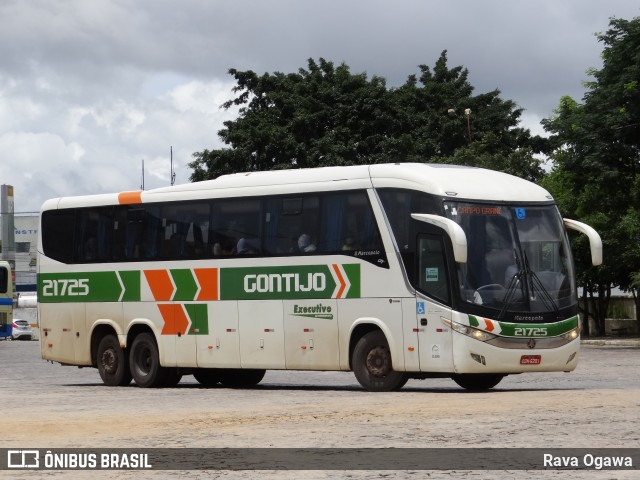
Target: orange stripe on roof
[126, 198]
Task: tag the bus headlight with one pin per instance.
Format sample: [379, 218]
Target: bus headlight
[572, 334]
[474, 333]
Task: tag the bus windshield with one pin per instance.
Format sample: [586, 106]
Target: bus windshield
[518, 258]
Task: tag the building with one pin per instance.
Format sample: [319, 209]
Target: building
[26, 238]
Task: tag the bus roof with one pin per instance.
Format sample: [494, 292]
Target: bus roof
[456, 182]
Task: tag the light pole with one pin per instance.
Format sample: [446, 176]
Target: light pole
[467, 113]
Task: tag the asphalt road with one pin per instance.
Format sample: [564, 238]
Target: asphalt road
[50, 406]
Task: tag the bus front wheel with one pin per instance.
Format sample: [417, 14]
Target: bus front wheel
[372, 364]
[477, 382]
[145, 362]
[112, 362]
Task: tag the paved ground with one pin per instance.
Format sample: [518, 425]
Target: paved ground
[597, 406]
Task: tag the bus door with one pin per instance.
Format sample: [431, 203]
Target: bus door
[432, 304]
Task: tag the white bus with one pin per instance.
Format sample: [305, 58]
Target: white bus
[392, 271]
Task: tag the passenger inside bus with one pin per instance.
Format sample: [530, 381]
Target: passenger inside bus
[246, 247]
[305, 243]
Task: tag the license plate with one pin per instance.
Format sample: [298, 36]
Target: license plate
[530, 359]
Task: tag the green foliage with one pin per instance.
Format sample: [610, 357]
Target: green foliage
[596, 155]
[326, 115]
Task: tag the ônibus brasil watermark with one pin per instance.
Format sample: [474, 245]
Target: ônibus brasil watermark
[276, 459]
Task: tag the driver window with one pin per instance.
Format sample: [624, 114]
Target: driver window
[432, 268]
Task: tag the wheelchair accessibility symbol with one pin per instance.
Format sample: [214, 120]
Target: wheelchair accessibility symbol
[420, 308]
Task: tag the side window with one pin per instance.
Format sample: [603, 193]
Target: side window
[432, 268]
[93, 236]
[180, 230]
[349, 227]
[291, 225]
[57, 234]
[235, 227]
[4, 280]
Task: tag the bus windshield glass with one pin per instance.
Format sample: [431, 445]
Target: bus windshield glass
[518, 259]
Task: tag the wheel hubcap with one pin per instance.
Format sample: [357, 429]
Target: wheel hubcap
[378, 362]
[109, 361]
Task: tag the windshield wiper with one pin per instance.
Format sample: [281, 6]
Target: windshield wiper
[509, 296]
[536, 284]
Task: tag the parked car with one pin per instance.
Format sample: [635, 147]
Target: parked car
[21, 330]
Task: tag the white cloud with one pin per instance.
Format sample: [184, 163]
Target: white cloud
[89, 89]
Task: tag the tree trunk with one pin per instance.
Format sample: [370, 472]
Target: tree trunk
[585, 319]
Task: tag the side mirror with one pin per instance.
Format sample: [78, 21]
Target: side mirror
[455, 232]
[595, 242]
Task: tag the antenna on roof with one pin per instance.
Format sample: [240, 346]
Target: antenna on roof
[172, 173]
[142, 182]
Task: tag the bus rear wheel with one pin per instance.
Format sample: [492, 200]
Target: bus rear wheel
[477, 382]
[145, 362]
[372, 364]
[112, 362]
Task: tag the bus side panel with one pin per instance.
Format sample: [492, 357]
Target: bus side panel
[411, 340]
[385, 313]
[311, 338]
[436, 348]
[219, 346]
[59, 324]
[261, 334]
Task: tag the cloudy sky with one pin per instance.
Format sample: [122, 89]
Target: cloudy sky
[90, 88]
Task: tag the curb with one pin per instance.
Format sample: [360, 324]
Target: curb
[612, 342]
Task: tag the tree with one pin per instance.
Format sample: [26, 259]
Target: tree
[326, 115]
[596, 155]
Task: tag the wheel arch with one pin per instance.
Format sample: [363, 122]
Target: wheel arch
[138, 327]
[365, 325]
[100, 330]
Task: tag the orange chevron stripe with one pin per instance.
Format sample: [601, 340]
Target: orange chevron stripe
[160, 284]
[343, 284]
[489, 325]
[208, 280]
[175, 320]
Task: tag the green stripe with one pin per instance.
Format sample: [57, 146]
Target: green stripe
[552, 329]
[199, 318]
[186, 286]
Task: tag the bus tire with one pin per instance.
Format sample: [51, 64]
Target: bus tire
[209, 377]
[241, 377]
[144, 362]
[372, 365]
[172, 378]
[112, 362]
[477, 382]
